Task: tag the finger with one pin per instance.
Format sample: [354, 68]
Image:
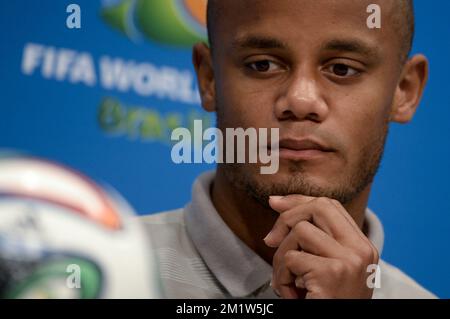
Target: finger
[301, 263]
[347, 216]
[283, 203]
[309, 239]
[322, 212]
[291, 292]
[300, 282]
[352, 222]
[292, 283]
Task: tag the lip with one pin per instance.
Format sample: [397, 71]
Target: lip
[302, 149]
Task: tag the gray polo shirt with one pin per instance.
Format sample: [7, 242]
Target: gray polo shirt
[200, 257]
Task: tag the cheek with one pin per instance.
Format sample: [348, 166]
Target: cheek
[243, 104]
[364, 119]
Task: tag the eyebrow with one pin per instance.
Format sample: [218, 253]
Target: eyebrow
[257, 42]
[339, 45]
[351, 45]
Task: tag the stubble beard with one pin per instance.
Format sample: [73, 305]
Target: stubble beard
[244, 177]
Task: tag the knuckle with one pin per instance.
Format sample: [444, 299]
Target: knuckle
[376, 254]
[323, 206]
[336, 202]
[310, 278]
[284, 218]
[301, 227]
[367, 254]
[357, 262]
[338, 268]
[371, 255]
[323, 201]
[290, 258]
[276, 259]
[315, 291]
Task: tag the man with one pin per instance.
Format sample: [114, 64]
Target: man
[331, 85]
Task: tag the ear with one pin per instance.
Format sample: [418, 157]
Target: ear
[410, 89]
[202, 60]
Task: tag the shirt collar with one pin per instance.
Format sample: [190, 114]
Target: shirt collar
[238, 268]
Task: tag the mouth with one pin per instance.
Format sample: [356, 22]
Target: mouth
[303, 149]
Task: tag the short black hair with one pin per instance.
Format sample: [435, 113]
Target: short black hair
[403, 21]
[405, 24]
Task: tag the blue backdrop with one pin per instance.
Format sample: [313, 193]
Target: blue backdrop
[109, 110]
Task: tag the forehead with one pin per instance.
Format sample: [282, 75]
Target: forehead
[304, 23]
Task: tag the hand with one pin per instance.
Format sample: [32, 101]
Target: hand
[321, 251]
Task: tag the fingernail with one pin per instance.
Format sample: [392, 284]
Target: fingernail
[276, 197]
[268, 240]
[277, 292]
[299, 283]
[268, 236]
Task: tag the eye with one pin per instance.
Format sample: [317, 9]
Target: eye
[263, 66]
[342, 70]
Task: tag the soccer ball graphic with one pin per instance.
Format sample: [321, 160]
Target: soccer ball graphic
[62, 236]
[174, 22]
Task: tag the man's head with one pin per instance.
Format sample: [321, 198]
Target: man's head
[313, 69]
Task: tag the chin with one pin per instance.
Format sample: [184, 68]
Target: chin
[287, 182]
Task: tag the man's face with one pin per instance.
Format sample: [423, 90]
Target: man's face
[313, 69]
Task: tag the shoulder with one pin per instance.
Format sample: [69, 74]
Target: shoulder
[166, 229]
[395, 284]
[172, 216]
[183, 273]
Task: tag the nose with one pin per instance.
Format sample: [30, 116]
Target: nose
[302, 100]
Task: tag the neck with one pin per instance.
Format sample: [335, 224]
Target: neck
[251, 221]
